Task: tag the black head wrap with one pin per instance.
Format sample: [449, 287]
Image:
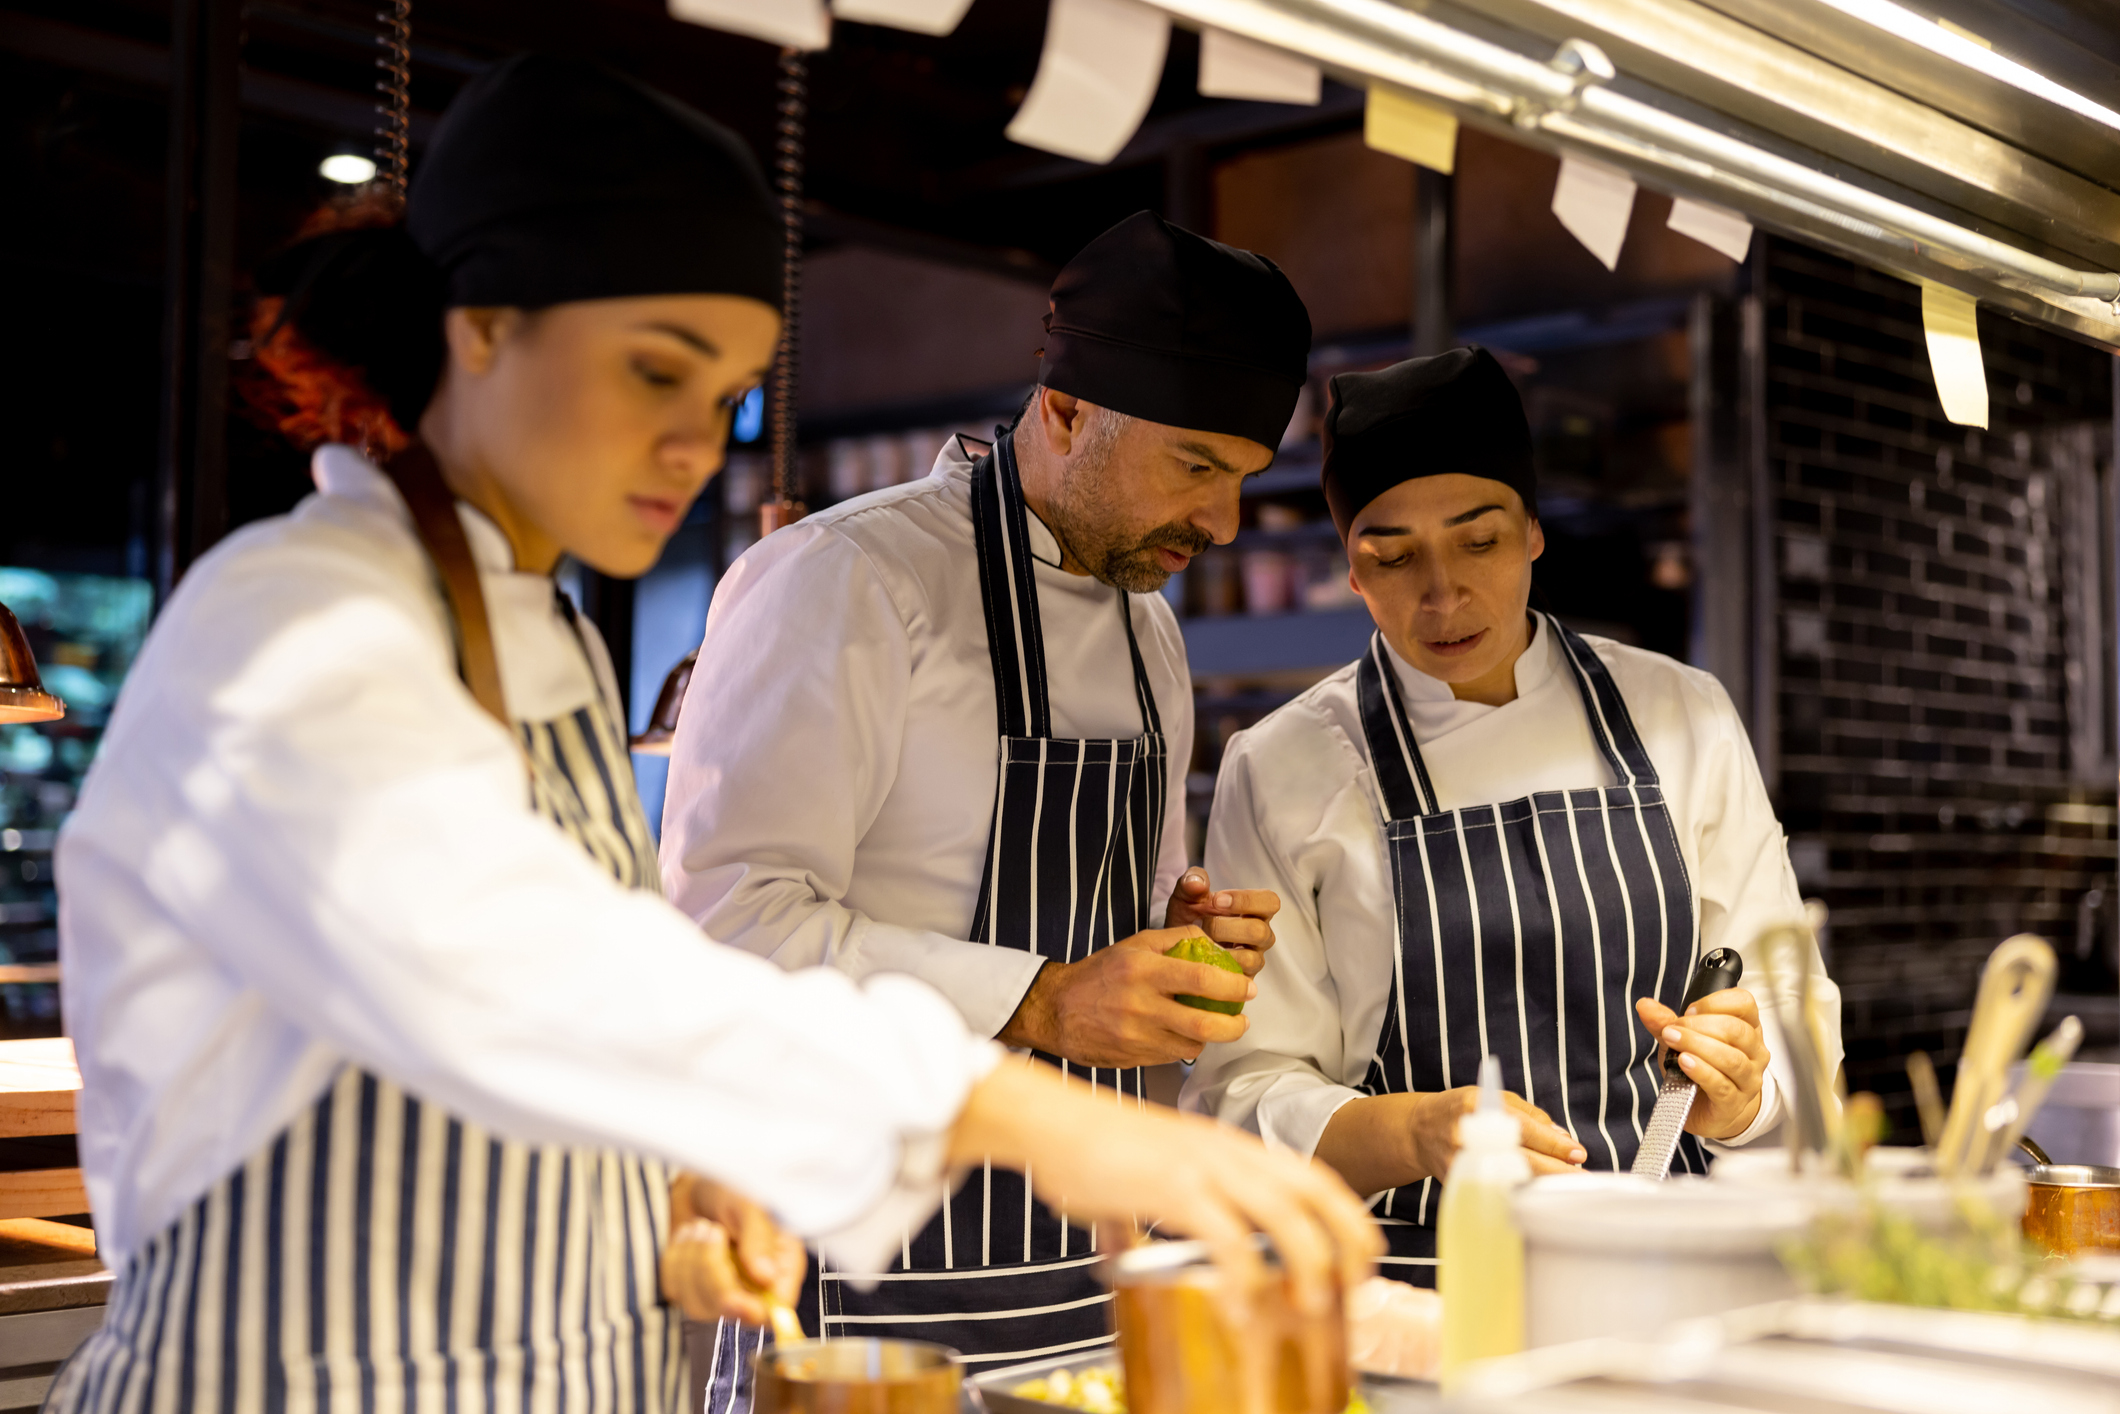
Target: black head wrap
[555, 179]
[1449, 412]
[550, 180]
[1156, 322]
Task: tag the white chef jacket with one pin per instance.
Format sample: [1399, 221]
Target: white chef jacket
[1297, 810]
[832, 782]
[304, 846]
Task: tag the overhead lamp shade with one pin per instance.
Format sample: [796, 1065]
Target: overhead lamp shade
[22, 694]
[662, 722]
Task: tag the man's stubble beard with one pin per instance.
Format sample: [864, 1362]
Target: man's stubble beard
[1088, 524]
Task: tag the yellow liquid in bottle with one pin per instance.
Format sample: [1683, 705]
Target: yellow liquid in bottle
[1480, 1258]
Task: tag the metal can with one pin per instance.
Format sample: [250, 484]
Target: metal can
[1189, 1347]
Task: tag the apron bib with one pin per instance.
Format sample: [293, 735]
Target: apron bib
[1071, 861]
[1526, 930]
[383, 1255]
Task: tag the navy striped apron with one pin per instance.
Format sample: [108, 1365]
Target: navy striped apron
[1526, 930]
[381, 1256]
[1071, 863]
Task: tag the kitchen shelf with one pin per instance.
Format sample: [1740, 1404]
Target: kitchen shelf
[1309, 533]
[38, 1082]
[42, 1193]
[1297, 472]
[1238, 645]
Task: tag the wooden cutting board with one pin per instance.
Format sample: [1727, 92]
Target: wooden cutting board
[38, 1081]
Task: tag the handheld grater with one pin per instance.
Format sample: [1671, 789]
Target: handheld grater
[1674, 1102]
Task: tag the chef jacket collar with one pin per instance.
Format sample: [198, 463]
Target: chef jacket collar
[1045, 546]
[1534, 666]
[340, 470]
[551, 665]
[957, 460]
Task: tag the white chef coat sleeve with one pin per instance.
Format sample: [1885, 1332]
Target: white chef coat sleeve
[788, 744]
[1747, 885]
[319, 804]
[1277, 1079]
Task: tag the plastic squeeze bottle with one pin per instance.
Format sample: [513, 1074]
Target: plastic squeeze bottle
[1479, 1252]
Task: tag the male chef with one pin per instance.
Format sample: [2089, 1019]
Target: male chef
[1491, 834]
[944, 729]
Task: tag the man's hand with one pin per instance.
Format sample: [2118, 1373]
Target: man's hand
[1116, 1007]
[1388, 1141]
[1239, 919]
[725, 1254]
[1721, 1050]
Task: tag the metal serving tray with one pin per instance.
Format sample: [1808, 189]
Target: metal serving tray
[1818, 1354]
[989, 1390]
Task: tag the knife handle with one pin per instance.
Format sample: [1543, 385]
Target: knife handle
[1720, 969]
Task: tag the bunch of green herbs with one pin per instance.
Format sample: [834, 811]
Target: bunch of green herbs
[1979, 1262]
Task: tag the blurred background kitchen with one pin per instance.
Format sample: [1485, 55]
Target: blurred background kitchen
[1744, 463]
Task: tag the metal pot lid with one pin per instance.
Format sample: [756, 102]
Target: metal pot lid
[859, 1359]
[1153, 1260]
[2074, 1176]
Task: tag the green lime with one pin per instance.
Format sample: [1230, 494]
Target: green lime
[1201, 948]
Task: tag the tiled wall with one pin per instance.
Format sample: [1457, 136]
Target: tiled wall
[1946, 772]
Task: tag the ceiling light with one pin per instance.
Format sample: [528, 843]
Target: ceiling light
[1956, 45]
[22, 694]
[347, 168]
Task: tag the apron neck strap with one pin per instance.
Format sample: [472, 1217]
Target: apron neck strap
[441, 534]
[1611, 725]
[1402, 774]
[1008, 592]
[1151, 719]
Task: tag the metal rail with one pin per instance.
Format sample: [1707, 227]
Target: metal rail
[1568, 100]
[1792, 183]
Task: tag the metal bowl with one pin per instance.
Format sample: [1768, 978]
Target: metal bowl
[995, 1390]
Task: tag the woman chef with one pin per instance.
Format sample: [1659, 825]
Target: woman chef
[1490, 835]
[386, 1035]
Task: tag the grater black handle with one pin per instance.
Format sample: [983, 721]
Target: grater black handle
[1717, 971]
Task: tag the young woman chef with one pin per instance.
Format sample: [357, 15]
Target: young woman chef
[390, 1046]
[1490, 834]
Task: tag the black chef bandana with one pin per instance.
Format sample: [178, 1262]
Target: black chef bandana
[553, 180]
[1449, 412]
[1155, 322]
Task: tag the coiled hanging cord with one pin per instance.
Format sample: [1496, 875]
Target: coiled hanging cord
[393, 136]
[786, 507]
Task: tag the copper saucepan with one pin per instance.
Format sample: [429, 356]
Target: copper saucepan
[857, 1377]
[1187, 1351]
[2073, 1208]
